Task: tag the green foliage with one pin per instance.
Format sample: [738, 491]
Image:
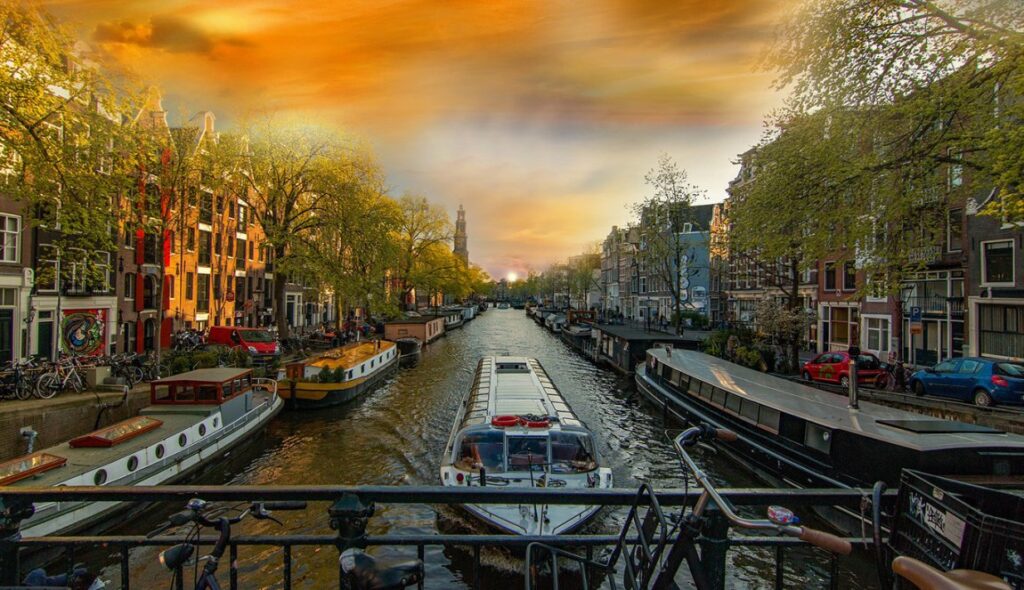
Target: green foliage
[750, 358]
[697, 320]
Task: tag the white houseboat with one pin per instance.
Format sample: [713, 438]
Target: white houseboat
[194, 418]
[514, 428]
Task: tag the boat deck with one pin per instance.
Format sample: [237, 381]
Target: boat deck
[350, 355]
[828, 409]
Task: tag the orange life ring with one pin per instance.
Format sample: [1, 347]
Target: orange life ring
[505, 421]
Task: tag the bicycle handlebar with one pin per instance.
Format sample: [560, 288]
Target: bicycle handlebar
[706, 432]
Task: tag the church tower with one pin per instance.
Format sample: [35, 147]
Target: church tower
[461, 249]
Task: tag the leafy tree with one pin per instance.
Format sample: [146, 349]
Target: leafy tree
[662, 216]
[942, 78]
[422, 232]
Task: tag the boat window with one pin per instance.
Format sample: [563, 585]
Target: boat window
[481, 449]
[207, 393]
[680, 379]
[718, 396]
[749, 410]
[184, 393]
[572, 452]
[161, 393]
[732, 403]
[527, 451]
[769, 418]
[818, 438]
[229, 389]
[666, 371]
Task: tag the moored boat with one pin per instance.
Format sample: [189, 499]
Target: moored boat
[193, 419]
[515, 429]
[409, 346]
[338, 375]
[791, 434]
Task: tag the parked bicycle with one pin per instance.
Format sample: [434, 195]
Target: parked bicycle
[16, 381]
[188, 340]
[894, 377]
[64, 374]
[196, 514]
[127, 367]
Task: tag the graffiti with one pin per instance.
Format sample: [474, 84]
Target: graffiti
[84, 331]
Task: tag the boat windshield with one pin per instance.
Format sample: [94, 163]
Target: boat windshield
[527, 452]
[572, 452]
[481, 449]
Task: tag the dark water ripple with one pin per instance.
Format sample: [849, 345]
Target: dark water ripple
[396, 435]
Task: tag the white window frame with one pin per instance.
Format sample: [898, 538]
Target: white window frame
[866, 329]
[984, 263]
[17, 239]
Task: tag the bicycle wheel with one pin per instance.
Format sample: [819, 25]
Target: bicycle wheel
[22, 389]
[49, 385]
[133, 375]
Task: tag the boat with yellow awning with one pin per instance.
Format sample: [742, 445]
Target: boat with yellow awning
[338, 375]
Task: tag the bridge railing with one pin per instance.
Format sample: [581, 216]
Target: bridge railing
[347, 518]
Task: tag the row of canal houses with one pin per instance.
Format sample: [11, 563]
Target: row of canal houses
[967, 299]
[218, 270]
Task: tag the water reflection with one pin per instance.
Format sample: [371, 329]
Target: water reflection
[396, 435]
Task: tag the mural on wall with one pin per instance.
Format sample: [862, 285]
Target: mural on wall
[84, 331]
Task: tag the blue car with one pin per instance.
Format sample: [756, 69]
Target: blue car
[983, 381]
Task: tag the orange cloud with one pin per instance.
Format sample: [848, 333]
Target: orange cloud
[570, 103]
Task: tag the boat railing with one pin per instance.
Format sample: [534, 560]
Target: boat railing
[345, 525]
[264, 383]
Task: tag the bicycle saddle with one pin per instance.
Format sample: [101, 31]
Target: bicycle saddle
[366, 573]
[926, 577]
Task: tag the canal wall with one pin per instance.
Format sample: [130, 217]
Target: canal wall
[61, 418]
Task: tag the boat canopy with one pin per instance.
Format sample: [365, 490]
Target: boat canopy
[568, 450]
[201, 386]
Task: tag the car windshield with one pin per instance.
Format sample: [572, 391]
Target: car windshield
[1010, 370]
[256, 336]
[527, 452]
[572, 452]
[481, 449]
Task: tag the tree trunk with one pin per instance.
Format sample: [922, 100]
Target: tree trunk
[279, 294]
[794, 304]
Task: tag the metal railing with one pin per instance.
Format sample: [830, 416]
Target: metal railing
[348, 515]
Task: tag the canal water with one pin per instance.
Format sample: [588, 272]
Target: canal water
[395, 436]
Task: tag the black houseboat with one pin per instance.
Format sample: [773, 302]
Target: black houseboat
[801, 436]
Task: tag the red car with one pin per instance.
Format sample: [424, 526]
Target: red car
[834, 367]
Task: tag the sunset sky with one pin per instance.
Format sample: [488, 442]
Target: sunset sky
[541, 118]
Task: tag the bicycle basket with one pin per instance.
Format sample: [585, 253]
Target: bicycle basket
[951, 524]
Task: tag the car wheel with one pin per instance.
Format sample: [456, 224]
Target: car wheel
[844, 381]
[919, 388]
[982, 398]
[806, 376]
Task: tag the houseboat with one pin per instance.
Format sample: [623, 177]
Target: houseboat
[453, 318]
[791, 434]
[192, 420]
[426, 328]
[338, 375]
[515, 429]
[409, 346]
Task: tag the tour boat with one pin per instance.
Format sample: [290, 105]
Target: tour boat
[800, 436]
[338, 375]
[515, 429]
[193, 418]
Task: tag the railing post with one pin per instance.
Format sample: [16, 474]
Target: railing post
[349, 516]
[714, 546]
[12, 512]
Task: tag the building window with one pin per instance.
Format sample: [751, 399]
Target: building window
[128, 336]
[203, 293]
[191, 246]
[252, 246]
[1001, 330]
[129, 238]
[206, 207]
[830, 276]
[231, 247]
[849, 277]
[954, 230]
[204, 248]
[231, 208]
[877, 335]
[10, 246]
[170, 241]
[216, 244]
[243, 217]
[170, 286]
[997, 263]
[216, 287]
[189, 285]
[129, 286]
[240, 251]
[956, 171]
[46, 268]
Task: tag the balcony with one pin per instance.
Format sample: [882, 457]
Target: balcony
[936, 306]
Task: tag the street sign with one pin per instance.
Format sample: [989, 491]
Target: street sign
[916, 328]
[915, 314]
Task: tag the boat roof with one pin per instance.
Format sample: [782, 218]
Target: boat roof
[829, 409]
[350, 355]
[517, 386]
[217, 375]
